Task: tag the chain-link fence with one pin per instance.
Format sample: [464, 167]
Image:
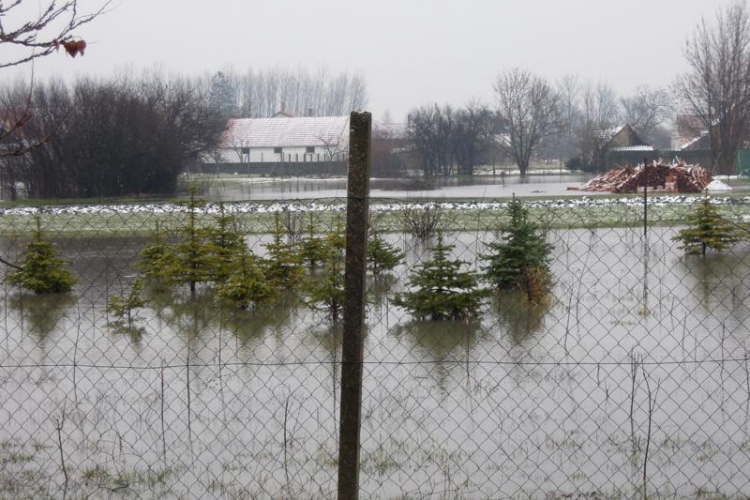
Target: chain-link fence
[631, 381]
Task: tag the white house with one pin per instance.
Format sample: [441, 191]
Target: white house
[284, 139]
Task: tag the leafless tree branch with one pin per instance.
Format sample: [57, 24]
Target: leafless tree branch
[30, 37]
[531, 109]
[53, 27]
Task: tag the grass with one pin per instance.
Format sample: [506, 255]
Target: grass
[139, 219]
[23, 475]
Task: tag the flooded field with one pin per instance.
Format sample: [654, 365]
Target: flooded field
[635, 378]
[551, 184]
[484, 186]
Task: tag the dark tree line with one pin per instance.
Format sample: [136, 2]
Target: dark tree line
[533, 120]
[113, 137]
[452, 141]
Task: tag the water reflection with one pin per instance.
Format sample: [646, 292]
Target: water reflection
[133, 332]
[520, 318]
[448, 344]
[41, 313]
[252, 325]
[186, 313]
[378, 288]
[719, 282]
[329, 337]
[477, 186]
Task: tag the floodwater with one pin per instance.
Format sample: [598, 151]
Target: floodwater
[553, 184]
[640, 363]
[476, 187]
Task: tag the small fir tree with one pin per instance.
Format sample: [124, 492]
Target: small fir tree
[192, 259]
[381, 255]
[312, 248]
[42, 270]
[520, 260]
[247, 287]
[156, 256]
[195, 251]
[707, 229]
[123, 307]
[325, 291]
[283, 265]
[227, 244]
[443, 291]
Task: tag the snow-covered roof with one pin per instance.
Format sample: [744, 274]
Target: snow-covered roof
[609, 133]
[633, 148]
[285, 131]
[502, 139]
[694, 140]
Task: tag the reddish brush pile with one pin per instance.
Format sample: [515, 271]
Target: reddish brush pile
[675, 177]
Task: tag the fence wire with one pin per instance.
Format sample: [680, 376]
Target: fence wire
[633, 381]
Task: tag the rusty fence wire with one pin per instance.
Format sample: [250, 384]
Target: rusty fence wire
[632, 381]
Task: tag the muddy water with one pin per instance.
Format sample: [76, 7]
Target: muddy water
[532, 401]
[486, 186]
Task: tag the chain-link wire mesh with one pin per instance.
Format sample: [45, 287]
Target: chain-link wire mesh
[633, 381]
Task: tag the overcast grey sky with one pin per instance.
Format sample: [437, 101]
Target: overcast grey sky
[411, 52]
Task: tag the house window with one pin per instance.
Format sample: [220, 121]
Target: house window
[245, 151]
[278, 151]
[310, 149]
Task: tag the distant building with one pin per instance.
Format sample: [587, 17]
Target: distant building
[624, 145]
[687, 128]
[620, 145]
[391, 152]
[284, 139]
[622, 138]
[282, 144]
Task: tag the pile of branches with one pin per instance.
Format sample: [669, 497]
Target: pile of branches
[676, 177]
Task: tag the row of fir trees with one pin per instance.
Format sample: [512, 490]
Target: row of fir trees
[196, 255]
[442, 287]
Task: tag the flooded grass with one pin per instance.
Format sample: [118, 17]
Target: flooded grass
[95, 221]
[544, 402]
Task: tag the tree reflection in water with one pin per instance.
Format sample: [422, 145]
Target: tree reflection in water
[133, 332]
[444, 344]
[520, 318]
[40, 314]
[251, 326]
[720, 282]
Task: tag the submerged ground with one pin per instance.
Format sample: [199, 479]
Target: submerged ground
[634, 380]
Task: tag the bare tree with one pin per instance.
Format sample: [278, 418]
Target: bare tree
[428, 129]
[600, 111]
[262, 93]
[646, 109]
[357, 92]
[717, 88]
[29, 33]
[531, 110]
[600, 105]
[52, 27]
[474, 129]
[113, 137]
[569, 94]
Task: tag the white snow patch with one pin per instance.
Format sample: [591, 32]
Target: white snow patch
[717, 185]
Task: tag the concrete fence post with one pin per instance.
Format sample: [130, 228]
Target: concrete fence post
[358, 190]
